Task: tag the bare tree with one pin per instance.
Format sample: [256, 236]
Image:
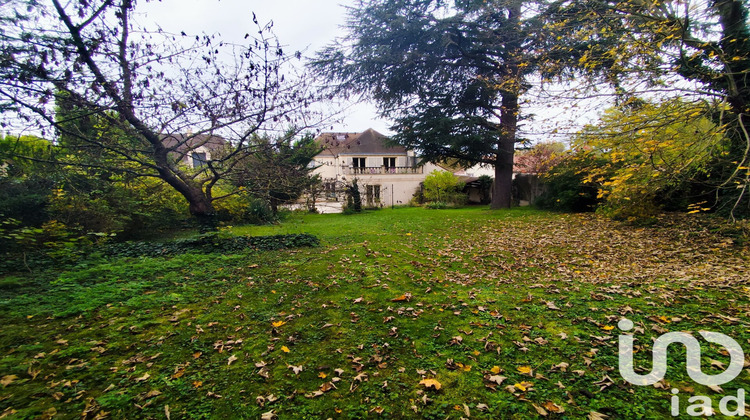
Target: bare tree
[127, 88]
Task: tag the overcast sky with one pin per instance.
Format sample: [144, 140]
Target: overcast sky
[301, 25]
[309, 25]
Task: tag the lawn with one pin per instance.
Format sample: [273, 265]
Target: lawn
[405, 313]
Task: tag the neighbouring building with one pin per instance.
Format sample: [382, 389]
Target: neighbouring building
[194, 150]
[386, 174]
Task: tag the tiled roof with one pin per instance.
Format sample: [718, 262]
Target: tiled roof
[183, 143]
[369, 142]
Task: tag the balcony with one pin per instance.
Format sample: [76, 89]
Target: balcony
[383, 170]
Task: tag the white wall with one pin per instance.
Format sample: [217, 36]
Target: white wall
[395, 189]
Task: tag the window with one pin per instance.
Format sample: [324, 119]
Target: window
[372, 195]
[199, 159]
[359, 165]
[389, 162]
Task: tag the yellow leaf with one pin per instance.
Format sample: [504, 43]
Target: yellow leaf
[322, 375]
[524, 369]
[495, 369]
[521, 387]
[277, 324]
[466, 368]
[285, 349]
[431, 383]
[7, 379]
[608, 327]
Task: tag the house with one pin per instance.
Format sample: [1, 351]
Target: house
[194, 150]
[386, 174]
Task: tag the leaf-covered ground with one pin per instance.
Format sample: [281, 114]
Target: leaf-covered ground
[400, 313]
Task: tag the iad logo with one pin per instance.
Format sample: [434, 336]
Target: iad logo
[693, 349]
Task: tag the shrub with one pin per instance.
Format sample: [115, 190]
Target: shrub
[442, 186]
[353, 198]
[485, 187]
[436, 205]
[639, 159]
[212, 242]
[645, 154]
[566, 187]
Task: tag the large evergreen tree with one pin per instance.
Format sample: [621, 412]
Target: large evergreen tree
[448, 73]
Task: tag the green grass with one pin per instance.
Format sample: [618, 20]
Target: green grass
[133, 337]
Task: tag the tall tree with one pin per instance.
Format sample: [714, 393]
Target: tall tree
[94, 60]
[683, 48]
[448, 73]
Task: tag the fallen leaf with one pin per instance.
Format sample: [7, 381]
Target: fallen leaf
[523, 386]
[553, 408]
[562, 367]
[278, 323]
[152, 394]
[431, 383]
[269, 415]
[497, 379]
[526, 370]
[716, 388]
[285, 349]
[143, 378]
[232, 359]
[541, 411]
[327, 386]
[495, 370]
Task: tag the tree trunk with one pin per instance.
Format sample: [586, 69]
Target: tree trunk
[502, 189]
[200, 205]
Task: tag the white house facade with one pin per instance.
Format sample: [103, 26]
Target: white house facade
[387, 175]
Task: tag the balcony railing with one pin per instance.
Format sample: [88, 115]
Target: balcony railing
[383, 170]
